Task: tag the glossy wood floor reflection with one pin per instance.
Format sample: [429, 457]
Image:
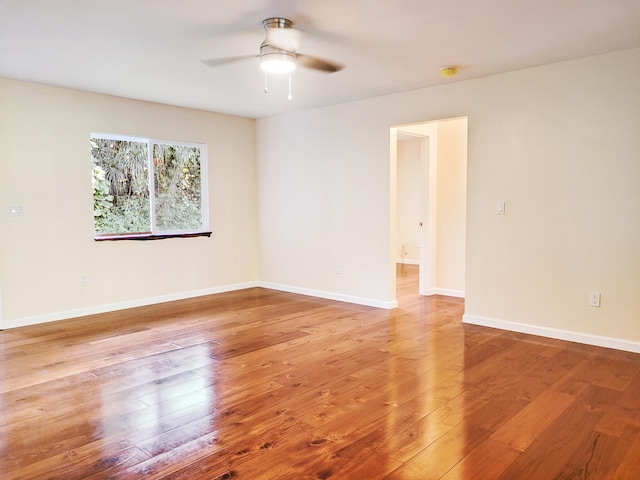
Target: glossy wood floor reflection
[259, 384]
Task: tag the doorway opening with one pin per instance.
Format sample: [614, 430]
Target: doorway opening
[428, 204]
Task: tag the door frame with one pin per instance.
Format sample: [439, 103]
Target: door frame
[428, 134]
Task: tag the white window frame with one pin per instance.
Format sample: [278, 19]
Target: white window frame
[204, 189]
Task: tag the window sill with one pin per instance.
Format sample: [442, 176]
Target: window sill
[150, 236]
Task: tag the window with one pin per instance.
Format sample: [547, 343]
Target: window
[146, 189]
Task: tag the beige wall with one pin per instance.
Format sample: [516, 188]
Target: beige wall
[45, 167]
[451, 206]
[558, 143]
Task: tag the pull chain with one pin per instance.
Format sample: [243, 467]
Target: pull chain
[266, 87]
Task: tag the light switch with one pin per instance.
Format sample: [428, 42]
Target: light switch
[12, 210]
[500, 208]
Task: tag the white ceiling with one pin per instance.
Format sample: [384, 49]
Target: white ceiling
[152, 49]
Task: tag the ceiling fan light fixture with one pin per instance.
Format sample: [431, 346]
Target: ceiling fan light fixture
[275, 64]
[276, 60]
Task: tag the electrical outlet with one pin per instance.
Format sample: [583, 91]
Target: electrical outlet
[338, 269]
[241, 261]
[83, 281]
[594, 300]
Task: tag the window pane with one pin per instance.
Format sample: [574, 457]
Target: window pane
[177, 187]
[120, 186]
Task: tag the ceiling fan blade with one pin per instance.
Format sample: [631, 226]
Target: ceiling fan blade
[214, 62]
[317, 64]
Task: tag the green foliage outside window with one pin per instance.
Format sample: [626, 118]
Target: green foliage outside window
[122, 203]
[176, 170]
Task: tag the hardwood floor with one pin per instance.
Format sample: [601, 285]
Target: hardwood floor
[259, 384]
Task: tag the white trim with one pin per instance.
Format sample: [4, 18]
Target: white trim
[81, 312]
[204, 186]
[330, 295]
[428, 190]
[448, 292]
[568, 335]
[407, 261]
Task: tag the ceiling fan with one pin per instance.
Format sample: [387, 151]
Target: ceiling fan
[278, 51]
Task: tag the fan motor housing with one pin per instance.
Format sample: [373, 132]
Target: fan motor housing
[277, 22]
[276, 58]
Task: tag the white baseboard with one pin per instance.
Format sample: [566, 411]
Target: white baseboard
[434, 291]
[407, 261]
[571, 336]
[448, 292]
[81, 312]
[330, 295]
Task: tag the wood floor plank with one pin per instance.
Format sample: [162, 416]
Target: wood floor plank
[529, 422]
[489, 460]
[259, 384]
[623, 418]
[434, 461]
[597, 457]
[559, 444]
[629, 466]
